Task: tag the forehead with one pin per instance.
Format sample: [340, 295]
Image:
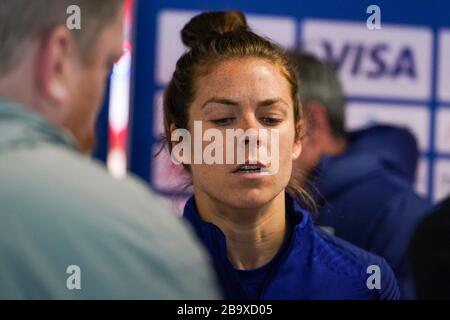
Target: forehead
[241, 78]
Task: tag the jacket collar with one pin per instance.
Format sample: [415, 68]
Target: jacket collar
[301, 216]
[214, 240]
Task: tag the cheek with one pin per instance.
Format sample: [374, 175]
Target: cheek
[85, 106]
[96, 85]
[91, 92]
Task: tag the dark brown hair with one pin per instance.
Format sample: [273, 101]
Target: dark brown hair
[214, 37]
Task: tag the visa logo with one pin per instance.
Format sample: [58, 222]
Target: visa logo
[443, 68]
[371, 60]
[394, 62]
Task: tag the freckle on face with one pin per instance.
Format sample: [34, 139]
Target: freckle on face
[247, 82]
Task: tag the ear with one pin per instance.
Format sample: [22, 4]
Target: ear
[172, 129]
[298, 141]
[55, 71]
[316, 118]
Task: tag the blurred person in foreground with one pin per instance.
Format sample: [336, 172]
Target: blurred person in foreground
[61, 214]
[430, 251]
[363, 180]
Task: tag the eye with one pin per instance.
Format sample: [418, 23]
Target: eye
[270, 121]
[222, 121]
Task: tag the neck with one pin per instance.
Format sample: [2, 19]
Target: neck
[12, 92]
[18, 85]
[253, 235]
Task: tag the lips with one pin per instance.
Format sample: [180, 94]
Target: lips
[250, 168]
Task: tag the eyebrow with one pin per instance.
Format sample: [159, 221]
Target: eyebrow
[229, 102]
[269, 102]
[224, 101]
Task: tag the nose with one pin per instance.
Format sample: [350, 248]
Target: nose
[249, 121]
[250, 124]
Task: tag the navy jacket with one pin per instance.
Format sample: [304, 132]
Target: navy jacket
[367, 197]
[315, 265]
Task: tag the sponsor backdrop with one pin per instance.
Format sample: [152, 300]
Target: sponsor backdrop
[399, 74]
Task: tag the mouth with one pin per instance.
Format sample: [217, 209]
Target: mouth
[250, 168]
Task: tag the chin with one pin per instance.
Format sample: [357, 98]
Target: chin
[250, 199]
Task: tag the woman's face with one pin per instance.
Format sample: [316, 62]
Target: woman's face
[244, 93]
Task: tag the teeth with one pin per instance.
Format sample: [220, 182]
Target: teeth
[249, 168]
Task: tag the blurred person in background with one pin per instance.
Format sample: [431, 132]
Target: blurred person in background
[363, 180]
[430, 251]
[252, 218]
[61, 214]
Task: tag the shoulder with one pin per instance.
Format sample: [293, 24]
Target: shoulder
[63, 176]
[60, 208]
[354, 265]
[380, 193]
[60, 184]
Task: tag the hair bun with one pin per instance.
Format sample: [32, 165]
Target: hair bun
[211, 24]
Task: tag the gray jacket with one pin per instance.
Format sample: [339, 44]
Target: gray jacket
[70, 231]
